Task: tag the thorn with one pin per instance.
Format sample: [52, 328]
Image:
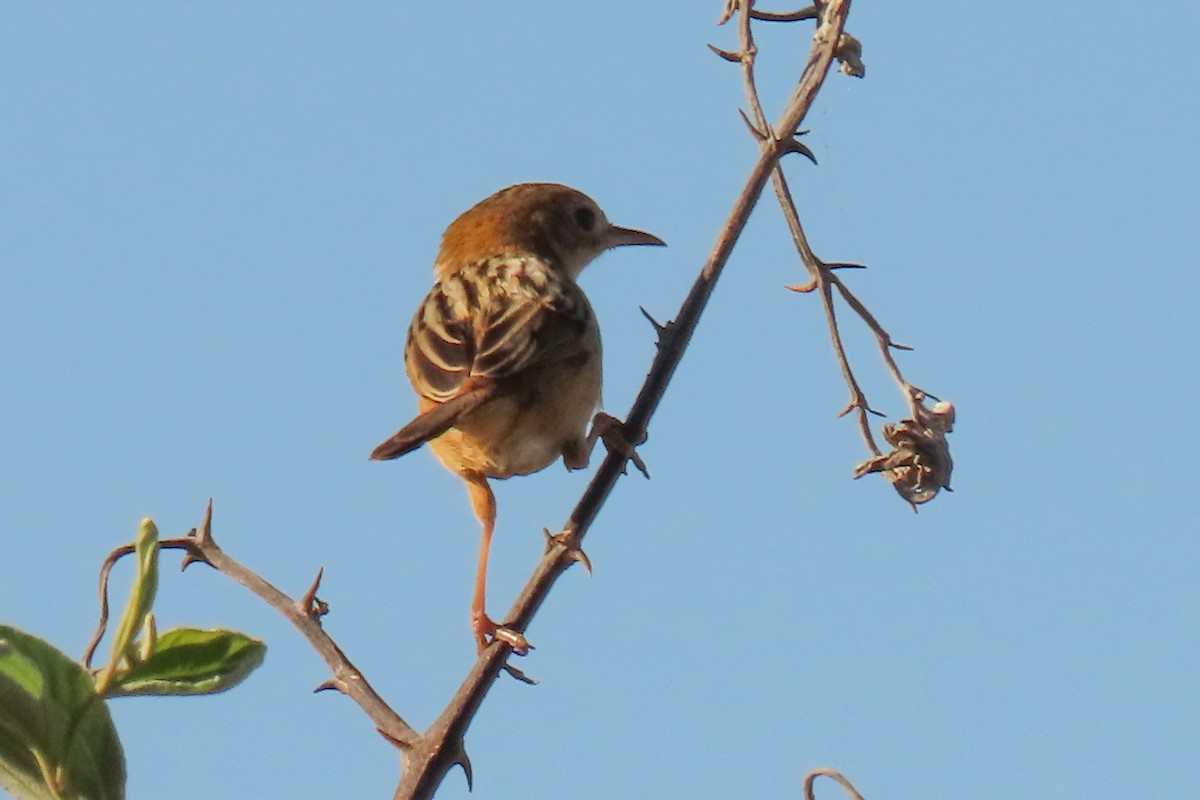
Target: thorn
[754, 131]
[519, 675]
[637, 462]
[198, 540]
[793, 146]
[310, 605]
[332, 685]
[728, 55]
[205, 535]
[853, 405]
[461, 760]
[189, 559]
[845, 265]
[581, 557]
[729, 10]
[570, 544]
[804, 288]
[899, 346]
[658, 326]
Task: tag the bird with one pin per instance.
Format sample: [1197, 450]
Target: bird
[504, 352]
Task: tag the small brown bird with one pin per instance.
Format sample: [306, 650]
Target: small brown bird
[504, 352]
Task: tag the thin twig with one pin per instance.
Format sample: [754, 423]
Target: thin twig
[199, 546]
[841, 779]
[919, 464]
[105, 569]
[346, 676]
[820, 272]
[822, 278]
[821, 275]
[791, 16]
[885, 343]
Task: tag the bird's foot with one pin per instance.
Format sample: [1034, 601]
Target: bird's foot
[617, 439]
[487, 631]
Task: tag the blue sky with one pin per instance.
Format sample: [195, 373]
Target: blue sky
[216, 220]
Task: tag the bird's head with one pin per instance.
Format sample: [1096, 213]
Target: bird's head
[555, 223]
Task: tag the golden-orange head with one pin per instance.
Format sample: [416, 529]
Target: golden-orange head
[560, 225]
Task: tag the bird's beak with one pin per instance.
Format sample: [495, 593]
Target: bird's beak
[619, 237]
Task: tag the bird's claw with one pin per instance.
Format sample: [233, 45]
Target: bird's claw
[487, 631]
[516, 641]
[617, 439]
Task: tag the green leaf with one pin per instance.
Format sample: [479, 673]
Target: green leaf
[57, 738]
[141, 599]
[187, 661]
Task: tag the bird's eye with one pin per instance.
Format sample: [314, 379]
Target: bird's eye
[585, 218]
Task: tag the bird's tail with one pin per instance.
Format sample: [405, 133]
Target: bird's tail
[433, 423]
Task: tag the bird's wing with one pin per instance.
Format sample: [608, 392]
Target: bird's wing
[479, 327]
[491, 322]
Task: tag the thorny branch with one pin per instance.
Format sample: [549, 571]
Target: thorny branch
[919, 442]
[305, 614]
[919, 464]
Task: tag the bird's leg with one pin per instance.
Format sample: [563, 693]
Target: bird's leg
[483, 503]
[616, 439]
